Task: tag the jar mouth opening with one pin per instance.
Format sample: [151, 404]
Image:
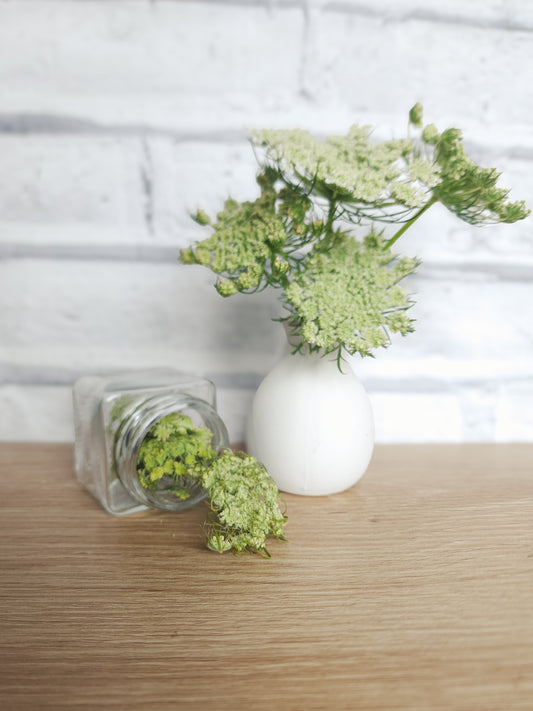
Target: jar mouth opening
[132, 434]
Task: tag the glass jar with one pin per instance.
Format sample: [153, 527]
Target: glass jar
[112, 416]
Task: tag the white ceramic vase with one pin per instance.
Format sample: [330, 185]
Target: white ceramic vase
[311, 425]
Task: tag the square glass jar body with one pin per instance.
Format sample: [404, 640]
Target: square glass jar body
[101, 403]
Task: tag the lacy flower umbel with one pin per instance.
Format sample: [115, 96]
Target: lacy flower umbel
[242, 498]
[340, 290]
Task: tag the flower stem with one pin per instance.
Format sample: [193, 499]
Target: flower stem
[408, 224]
[331, 216]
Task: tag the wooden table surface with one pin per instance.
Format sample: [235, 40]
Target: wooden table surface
[413, 590]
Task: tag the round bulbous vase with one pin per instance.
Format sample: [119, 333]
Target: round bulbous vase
[311, 425]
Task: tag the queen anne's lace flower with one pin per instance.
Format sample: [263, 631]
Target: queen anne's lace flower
[342, 293]
[244, 504]
[349, 294]
[243, 499]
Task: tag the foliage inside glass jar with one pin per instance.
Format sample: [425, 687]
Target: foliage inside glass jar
[243, 500]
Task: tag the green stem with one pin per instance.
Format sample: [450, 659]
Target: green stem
[331, 217]
[329, 235]
[408, 224]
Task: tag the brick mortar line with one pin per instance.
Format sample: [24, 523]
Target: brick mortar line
[25, 376]
[51, 125]
[281, 4]
[364, 10]
[26, 123]
[150, 254]
[345, 8]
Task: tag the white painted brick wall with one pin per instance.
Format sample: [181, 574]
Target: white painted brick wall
[118, 117]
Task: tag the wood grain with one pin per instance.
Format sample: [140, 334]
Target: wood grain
[411, 591]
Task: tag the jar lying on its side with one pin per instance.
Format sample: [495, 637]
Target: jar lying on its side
[112, 416]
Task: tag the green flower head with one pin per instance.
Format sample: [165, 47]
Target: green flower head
[348, 297]
[244, 501]
[245, 506]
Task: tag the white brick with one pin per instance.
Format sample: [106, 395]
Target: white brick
[415, 371]
[468, 326]
[472, 317]
[514, 413]
[190, 175]
[414, 417]
[209, 66]
[511, 13]
[36, 414]
[479, 409]
[440, 237]
[234, 407]
[365, 61]
[96, 190]
[66, 180]
[101, 315]
[139, 62]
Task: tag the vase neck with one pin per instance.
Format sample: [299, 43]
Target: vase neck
[294, 341]
[293, 337]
